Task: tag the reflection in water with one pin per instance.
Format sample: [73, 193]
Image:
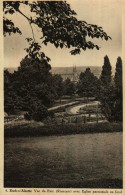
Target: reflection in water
[61, 159]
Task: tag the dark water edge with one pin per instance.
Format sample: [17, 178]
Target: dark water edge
[66, 129]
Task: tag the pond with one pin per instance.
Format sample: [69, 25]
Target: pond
[84, 160]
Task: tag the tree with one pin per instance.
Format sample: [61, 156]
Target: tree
[118, 90]
[37, 80]
[118, 74]
[87, 84]
[57, 85]
[106, 72]
[11, 99]
[110, 93]
[107, 98]
[58, 26]
[106, 93]
[37, 112]
[32, 82]
[69, 87]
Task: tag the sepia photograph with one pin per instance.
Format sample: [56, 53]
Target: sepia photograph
[63, 94]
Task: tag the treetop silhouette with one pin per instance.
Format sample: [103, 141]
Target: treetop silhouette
[58, 25]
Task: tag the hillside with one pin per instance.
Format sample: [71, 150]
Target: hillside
[68, 70]
[96, 70]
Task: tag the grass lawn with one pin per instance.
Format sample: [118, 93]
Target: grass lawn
[70, 161]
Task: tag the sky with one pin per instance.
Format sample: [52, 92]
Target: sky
[104, 13]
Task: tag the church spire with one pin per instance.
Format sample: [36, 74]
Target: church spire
[74, 69]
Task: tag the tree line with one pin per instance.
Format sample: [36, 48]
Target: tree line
[33, 89]
[107, 89]
[110, 91]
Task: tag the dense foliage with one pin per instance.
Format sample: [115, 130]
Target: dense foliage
[33, 86]
[119, 90]
[69, 87]
[39, 89]
[87, 84]
[110, 91]
[57, 22]
[106, 72]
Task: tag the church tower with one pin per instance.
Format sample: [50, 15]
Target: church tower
[75, 74]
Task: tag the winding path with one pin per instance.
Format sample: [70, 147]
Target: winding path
[75, 109]
[61, 106]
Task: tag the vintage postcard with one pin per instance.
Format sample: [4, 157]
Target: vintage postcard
[62, 79]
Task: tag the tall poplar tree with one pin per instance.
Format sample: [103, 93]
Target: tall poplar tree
[118, 74]
[106, 93]
[106, 72]
[118, 90]
[110, 93]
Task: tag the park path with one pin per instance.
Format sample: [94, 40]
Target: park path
[61, 106]
[75, 109]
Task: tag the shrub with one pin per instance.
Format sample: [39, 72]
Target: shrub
[27, 116]
[37, 112]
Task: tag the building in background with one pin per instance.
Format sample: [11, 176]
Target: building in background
[73, 76]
